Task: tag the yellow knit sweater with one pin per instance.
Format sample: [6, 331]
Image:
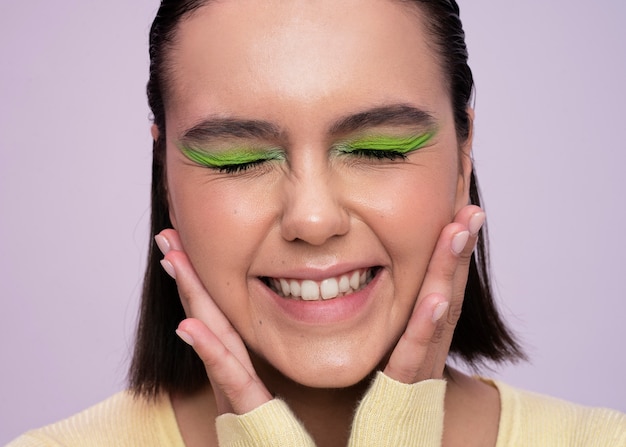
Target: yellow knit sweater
[391, 414]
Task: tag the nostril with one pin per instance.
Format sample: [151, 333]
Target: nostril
[313, 209]
[314, 227]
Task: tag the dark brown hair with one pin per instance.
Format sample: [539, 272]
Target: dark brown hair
[161, 362]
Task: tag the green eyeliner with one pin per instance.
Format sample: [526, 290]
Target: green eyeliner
[386, 143]
[231, 157]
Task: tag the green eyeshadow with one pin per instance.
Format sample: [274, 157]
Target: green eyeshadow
[231, 157]
[386, 143]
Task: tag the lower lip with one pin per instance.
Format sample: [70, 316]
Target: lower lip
[331, 311]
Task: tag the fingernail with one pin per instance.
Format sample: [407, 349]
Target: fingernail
[476, 223]
[168, 267]
[162, 243]
[440, 309]
[184, 336]
[459, 241]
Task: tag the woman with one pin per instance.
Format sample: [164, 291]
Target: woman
[312, 171]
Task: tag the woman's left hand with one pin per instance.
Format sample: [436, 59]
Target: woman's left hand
[423, 348]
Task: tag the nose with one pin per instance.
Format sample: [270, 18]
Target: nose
[313, 210]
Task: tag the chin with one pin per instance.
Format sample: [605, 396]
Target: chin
[332, 381]
[323, 374]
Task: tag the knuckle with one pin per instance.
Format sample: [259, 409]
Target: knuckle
[229, 336]
[454, 314]
[404, 374]
[438, 334]
[237, 393]
[184, 291]
[416, 340]
[214, 359]
[446, 272]
[466, 254]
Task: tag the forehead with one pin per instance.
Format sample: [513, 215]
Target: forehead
[241, 54]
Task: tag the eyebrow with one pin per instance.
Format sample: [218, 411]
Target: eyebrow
[389, 115]
[212, 128]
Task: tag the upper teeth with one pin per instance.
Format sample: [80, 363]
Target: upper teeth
[326, 289]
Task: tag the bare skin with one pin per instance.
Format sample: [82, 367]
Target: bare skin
[324, 213]
[472, 407]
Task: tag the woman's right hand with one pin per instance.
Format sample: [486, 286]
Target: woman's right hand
[236, 386]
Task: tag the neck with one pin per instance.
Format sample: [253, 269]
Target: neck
[326, 413]
[472, 407]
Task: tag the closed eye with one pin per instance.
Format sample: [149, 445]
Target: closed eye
[382, 147]
[234, 161]
[235, 168]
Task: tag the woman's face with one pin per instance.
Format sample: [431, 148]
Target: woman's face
[311, 152]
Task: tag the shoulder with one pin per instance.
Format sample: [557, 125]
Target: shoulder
[533, 419]
[121, 420]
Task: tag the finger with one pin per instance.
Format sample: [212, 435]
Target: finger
[196, 300]
[168, 240]
[199, 304]
[416, 356]
[243, 392]
[449, 264]
[471, 218]
[193, 294]
[409, 362]
[235, 383]
[424, 355]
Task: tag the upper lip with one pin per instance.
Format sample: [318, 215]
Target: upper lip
[318, 273]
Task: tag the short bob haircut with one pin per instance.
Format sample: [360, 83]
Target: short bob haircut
[161, 362]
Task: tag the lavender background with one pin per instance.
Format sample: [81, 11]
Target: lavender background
[74, 186]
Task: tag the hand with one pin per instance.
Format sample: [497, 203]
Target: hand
[420, 353]
[236, 386]
[423, 348]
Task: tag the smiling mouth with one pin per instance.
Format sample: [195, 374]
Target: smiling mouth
[327, 289]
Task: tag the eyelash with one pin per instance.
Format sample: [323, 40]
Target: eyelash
[361, 153]
[238, 168]
[378, 155]
[209, 162]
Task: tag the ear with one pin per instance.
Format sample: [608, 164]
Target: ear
[466, 165]
[154, 131]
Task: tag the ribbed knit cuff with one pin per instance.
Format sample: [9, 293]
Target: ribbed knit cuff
[271, 424]
[398, 414]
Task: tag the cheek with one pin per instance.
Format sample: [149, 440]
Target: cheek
[220, 228]
[409, 222]
[416, 207]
